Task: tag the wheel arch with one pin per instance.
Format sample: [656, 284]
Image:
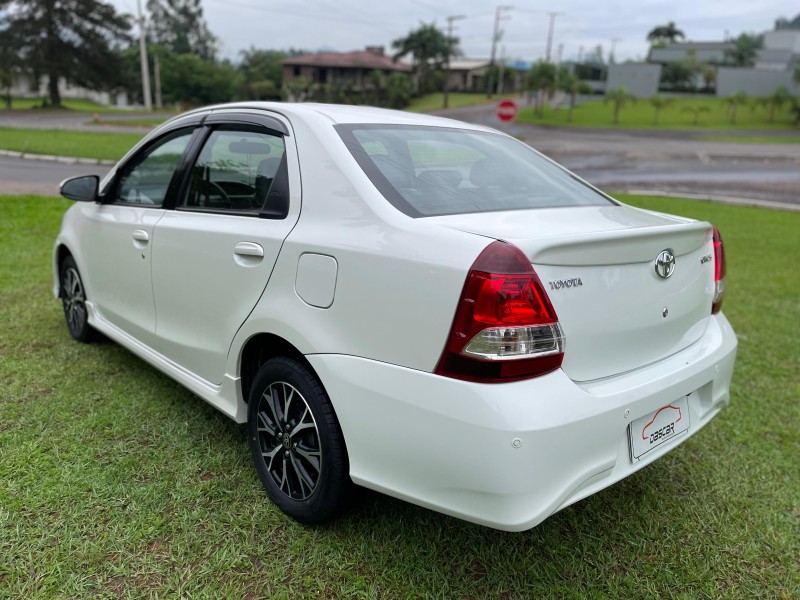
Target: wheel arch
[60, 255]
[258, 350]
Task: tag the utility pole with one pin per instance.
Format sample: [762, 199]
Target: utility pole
[501, 80]
[552, 16]
[157, 77]
[449, 53]
[498, 15]
[148, 102]
[614, 41]
[558, 67]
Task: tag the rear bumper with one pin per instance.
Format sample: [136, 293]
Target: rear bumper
[510, 455]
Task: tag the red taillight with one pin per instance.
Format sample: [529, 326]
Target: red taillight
[505, 328]
[719, 271]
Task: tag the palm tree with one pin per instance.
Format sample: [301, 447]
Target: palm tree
[665, 33]
[620, 97]
[795, 110]
[541, 79]
[574, 87]
[659, 103]
[696, 111]
[733, 101]
[428, 45]
[775, 101]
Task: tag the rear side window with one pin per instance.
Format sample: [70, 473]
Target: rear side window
[430, 171]
[234, 171]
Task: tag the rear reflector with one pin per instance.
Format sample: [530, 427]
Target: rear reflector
[505, 327]
[719, 271]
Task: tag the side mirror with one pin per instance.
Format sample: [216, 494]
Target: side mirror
[81, 189]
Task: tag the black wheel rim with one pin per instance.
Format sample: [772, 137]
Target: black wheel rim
[288, 440]
[74, 300]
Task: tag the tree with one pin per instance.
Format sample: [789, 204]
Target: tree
[8, 61]
[665, 34]
[70, 39]
[696, 111]
[775, 101]
[398, 90]
[429, 48]
[542, 80]
[297, 89]
[189, 79]
[796, 75]
[261, 65]
[733, 102]
[745, 51]
[678, 76]
[619, 97]
[179, 26]
[659, 103]
[573, 86]
[709, 76]
[377, 88]
[795, 110]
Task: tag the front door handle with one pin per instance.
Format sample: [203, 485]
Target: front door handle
[249, 249]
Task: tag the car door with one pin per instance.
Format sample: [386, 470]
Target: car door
[119, 234]
[214, 253]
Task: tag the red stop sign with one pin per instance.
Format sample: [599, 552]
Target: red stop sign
[506, 110]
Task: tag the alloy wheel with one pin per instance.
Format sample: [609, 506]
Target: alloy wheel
[289, 441]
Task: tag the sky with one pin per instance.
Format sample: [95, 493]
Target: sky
[579, 26]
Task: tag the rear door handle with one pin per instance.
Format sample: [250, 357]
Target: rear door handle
[249, 249]
[140, 238]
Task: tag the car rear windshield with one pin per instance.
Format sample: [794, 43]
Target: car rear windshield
[430, 171]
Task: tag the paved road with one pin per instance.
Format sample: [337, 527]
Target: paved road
[616, 160]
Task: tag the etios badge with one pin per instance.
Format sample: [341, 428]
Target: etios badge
[665, 263]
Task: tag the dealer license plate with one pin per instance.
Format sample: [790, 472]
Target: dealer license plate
[660, 426]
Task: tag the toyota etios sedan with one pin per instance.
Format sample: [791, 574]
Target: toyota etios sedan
[412, 304]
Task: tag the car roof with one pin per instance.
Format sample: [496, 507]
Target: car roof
[341, 113]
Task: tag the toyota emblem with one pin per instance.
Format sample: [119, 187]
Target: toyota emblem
[665, 263]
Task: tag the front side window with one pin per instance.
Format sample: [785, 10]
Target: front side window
[234, 171]
[430, 171]
[146, 179]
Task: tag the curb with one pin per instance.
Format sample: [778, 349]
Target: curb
[69, 160]
[721, 199]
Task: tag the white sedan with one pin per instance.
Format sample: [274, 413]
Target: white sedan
[412, 304]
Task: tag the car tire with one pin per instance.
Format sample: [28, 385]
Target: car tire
[73, 299]
[297, 444]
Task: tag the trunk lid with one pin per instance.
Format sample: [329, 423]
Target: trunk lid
[597, 265]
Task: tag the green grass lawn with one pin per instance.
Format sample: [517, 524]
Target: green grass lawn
[436, 101]
[77, 105]
[58, 142]
[117, 482]
[595, 112]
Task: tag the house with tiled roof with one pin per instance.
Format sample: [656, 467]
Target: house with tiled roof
[342, 68]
